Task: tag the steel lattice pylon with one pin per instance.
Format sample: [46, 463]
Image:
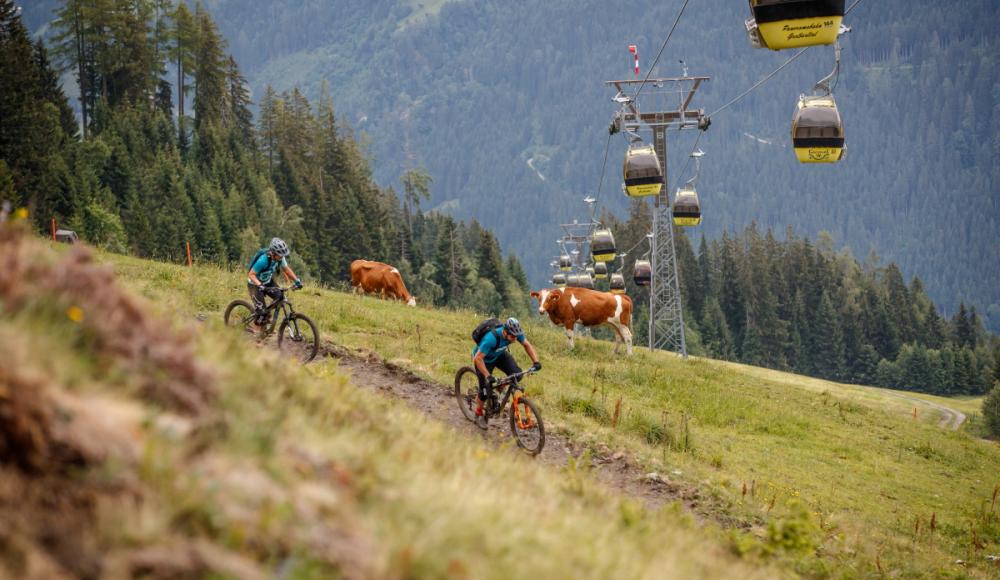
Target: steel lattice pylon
[666, 315]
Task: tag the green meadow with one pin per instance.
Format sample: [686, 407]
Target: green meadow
[857, 482]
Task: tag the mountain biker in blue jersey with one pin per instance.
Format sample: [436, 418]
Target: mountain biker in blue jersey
[491, 353]
[260, 278]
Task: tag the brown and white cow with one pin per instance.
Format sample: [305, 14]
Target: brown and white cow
[368, 277]
[567, 306]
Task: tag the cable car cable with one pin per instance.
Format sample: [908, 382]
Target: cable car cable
[716, 112]
[693, 149]
[663, 46]
[600, 184]
[593, 211]
[775, 71]
[760, 82]
[637, 244]
[848, 11]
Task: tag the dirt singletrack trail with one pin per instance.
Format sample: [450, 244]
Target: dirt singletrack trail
[616, 471]
[950, 418]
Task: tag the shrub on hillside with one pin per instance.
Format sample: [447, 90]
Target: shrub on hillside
[991, 410]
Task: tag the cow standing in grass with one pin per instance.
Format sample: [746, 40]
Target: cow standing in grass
[567, 306]
[368, 277]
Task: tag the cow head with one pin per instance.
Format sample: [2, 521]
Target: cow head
[405, 295]
[547, 299]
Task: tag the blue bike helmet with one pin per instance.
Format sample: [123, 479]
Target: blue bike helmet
[513, 326]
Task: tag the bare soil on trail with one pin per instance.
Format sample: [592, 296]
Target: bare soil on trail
[615, 470]
[950, 418]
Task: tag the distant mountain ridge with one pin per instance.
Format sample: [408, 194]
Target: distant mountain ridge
[482, 88]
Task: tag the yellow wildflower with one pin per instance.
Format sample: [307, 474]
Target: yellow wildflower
[75, 313]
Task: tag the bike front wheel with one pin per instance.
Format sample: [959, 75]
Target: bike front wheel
[298, 337]
[467, 391]
[526, 425]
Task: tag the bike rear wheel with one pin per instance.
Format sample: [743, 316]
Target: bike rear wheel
[298, 337]
[240, 314]
[526, 425]
[467, 391]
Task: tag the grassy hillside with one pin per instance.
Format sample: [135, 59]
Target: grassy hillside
[138, 442]
[843, 478]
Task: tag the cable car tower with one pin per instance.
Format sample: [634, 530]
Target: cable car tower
[670, 98]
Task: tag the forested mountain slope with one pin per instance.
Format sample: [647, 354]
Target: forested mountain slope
[483, 87]
[199, 176]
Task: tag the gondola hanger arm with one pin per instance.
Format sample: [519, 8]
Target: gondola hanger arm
[824, 84]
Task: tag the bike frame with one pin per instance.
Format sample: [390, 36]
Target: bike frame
[279, 304]
[513, 387]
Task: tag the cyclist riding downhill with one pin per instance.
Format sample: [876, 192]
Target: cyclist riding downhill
[492, 339]
[260, 279]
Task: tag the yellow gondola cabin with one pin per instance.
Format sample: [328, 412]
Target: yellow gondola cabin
[642, 172]
[602, 246]
[617, 283]
[687, 208]
[642, 274]
[818, 130]
[781, 24]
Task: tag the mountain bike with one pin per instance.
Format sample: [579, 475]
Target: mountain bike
[297, 334]
[525, 421]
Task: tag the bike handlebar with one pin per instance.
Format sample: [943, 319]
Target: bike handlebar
[282, 289]
[516, 376]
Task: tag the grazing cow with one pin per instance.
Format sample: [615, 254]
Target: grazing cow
[369, 277]
[567, 306]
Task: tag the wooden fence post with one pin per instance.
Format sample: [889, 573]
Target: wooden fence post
[188, 246]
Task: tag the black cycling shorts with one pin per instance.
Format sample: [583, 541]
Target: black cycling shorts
[504, 362]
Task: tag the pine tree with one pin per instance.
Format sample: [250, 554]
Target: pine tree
[450, 261]
[238, 101]
[51, 91]
[991, 410]
[964, 330]
[829, 352]
[490, 266]
[996, 363]
[715, 332]
[799, 357]
[880, 328]
[965, 373]
[732, 299]
[182, 52]
[866, 366]
[770, 332]
[73, 48]
[267, 128]
[416, 187]
[899, 304]
[210, 72]
[32, 120]
[517, 273]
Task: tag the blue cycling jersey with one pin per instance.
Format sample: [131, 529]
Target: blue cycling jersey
[493, 345]
[265, 267]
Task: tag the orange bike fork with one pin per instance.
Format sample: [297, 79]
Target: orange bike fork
[523, 421]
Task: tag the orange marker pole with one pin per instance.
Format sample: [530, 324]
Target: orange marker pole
[188, 245]
[53, 229]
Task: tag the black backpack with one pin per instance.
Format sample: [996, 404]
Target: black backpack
[488, 325]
